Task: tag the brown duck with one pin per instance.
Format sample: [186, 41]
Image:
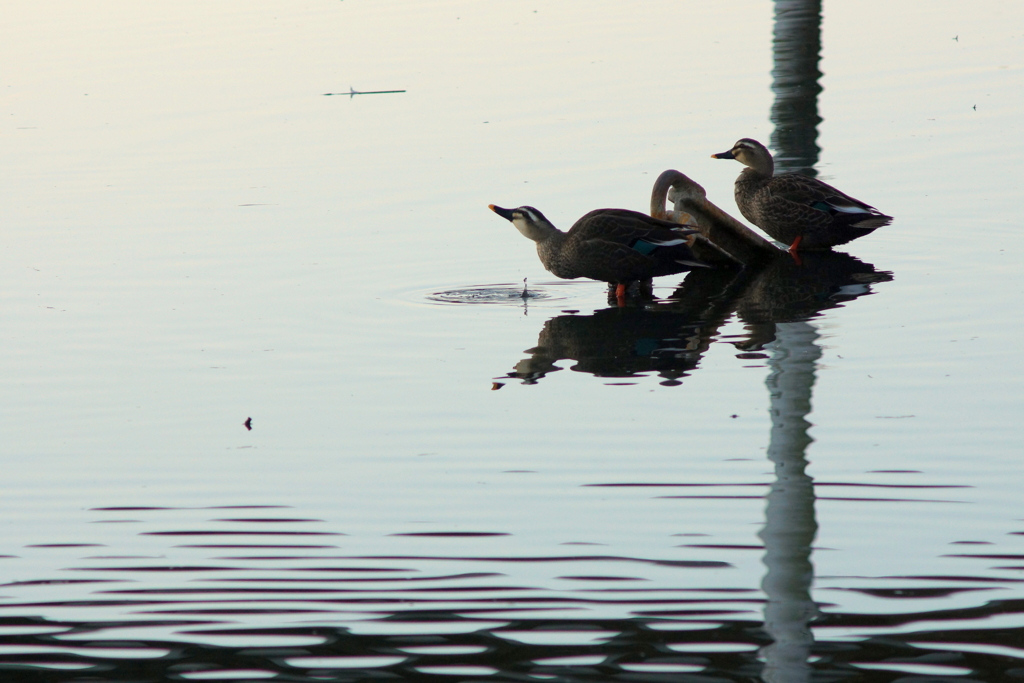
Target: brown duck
[795, 209]
[617, 246]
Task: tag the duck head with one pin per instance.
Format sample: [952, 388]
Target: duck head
[527, 220]
[750, 153]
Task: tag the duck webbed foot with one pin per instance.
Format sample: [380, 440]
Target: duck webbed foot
[620, 295]
[636, 292]
[793, 250]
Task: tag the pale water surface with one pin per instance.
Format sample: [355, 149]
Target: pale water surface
[809, 473]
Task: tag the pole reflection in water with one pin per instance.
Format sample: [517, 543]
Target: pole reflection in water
[796, 51]
[790, 525]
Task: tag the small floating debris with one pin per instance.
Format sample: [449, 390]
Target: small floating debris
[352, 92]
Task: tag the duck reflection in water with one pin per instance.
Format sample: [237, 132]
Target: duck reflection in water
[615, 342]
[669, 336]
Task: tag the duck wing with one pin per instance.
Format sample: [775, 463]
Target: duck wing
[819, 202]
[619, 245]
[624, 227]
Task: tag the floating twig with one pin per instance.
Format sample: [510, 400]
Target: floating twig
[352, 92]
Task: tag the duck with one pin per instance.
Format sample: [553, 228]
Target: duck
[617, 246]
[797, 210]
[665, 182]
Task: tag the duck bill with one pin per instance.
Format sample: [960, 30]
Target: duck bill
[723, 155]
[504, 213]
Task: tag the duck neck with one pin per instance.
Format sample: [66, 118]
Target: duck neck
[761, 167]
[549, 249]
[541, 232]
[660, 192]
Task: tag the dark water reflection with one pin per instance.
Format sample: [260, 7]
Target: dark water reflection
[297, 611]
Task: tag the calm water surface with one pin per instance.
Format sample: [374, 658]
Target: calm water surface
[800, 473]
